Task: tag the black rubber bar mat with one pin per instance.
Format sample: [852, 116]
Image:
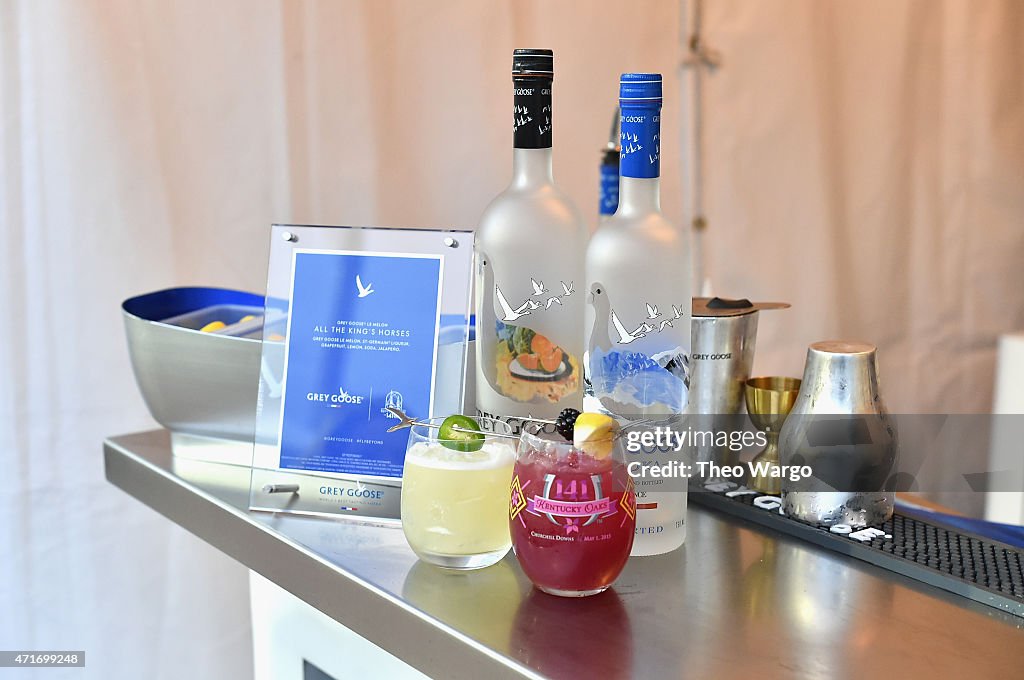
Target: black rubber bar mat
[984, 570]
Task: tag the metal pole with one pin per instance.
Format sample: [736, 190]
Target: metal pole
[699, 58]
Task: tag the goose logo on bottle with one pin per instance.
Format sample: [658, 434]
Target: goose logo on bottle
[521, 361]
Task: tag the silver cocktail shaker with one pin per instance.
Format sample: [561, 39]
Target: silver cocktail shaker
[840, 429]
[722, 339]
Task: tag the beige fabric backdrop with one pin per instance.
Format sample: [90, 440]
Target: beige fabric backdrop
[864, 161]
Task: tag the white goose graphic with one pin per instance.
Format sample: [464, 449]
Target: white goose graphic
[508, 314]
[677, 312]
[599, 338]
[568, 290]
[652, 311]
[626, 337]
[552, 300]
[344, 396]
[538, 287]
[487, 321]
[363, 290]
[665, 322]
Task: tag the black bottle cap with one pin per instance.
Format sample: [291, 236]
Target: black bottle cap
[536, 63]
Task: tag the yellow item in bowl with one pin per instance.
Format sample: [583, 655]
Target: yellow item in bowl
[213, 326]
[247, 317]
[594, 433]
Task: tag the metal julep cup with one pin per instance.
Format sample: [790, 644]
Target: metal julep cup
[840, 429]
[722, 339]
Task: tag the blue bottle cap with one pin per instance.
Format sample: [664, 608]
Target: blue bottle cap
[640, 88]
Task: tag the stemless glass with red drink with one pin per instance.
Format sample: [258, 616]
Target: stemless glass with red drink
[572, 512]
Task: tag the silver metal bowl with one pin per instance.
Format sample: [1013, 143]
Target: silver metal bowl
[194, 382]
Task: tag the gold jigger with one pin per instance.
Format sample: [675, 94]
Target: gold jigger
[769, 401]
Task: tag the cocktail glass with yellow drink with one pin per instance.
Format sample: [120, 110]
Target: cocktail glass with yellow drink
[455, 491]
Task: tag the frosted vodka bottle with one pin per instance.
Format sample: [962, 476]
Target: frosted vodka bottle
[638, 312]
[529, 271]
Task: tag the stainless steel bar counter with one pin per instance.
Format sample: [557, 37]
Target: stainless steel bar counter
[735, 601]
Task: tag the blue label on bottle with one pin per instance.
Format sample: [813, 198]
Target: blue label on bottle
[641, 140]
[640, 105]
[609, 188]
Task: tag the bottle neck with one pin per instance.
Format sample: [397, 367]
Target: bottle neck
[639, 196]
[640, 140]
[531, 112]
[531, 167]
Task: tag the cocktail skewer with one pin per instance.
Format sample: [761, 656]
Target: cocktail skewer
[406, 421]
[409, 422]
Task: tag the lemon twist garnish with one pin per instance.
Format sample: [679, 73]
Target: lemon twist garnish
[594, 433]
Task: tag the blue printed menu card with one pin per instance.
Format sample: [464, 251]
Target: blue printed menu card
[362, 335]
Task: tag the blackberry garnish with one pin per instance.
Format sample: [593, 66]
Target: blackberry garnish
[566, 421]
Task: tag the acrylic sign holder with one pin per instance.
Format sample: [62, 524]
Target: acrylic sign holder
[359, 319]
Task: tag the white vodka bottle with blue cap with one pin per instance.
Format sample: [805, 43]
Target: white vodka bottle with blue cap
[638, 312]
[529, 271]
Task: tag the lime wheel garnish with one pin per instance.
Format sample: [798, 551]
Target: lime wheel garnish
[461, 433]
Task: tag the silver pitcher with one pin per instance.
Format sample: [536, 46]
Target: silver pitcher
[840, 429]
